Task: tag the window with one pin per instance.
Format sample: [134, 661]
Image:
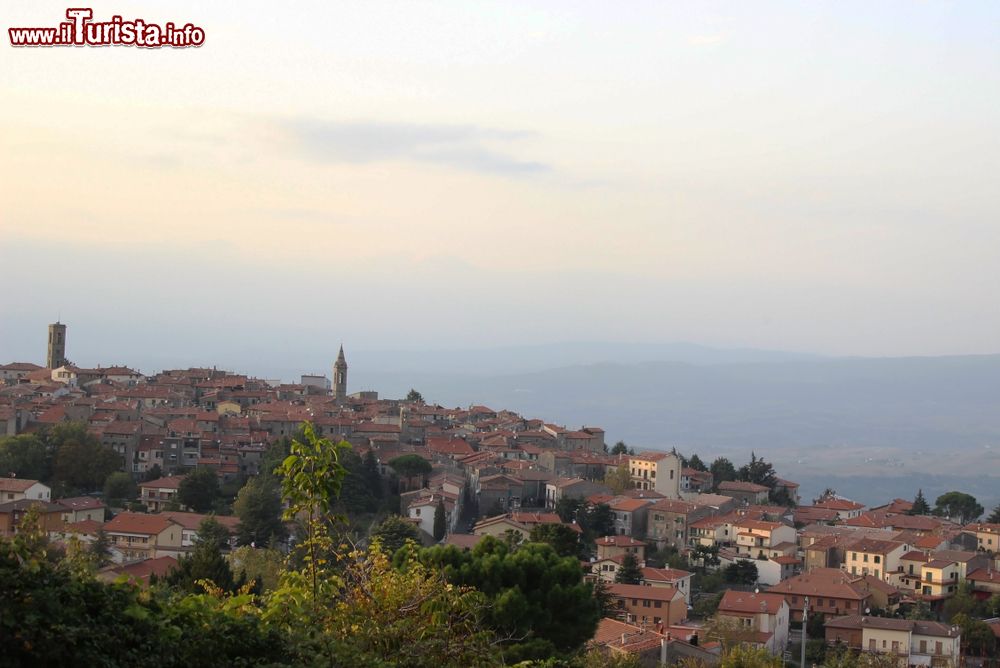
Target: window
[658, 604]
[937, 647]
[878, 559]
[923, 647]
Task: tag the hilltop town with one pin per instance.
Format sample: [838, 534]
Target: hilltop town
[693, 555]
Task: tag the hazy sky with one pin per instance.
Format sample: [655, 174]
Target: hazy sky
[812, 176]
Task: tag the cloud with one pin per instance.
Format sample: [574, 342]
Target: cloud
[713, 39]
[460, 146]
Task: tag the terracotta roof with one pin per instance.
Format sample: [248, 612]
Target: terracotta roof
[984, 575]
[169, 482]
[644, 592]
[191, 521]
[84, 527]
[874, 546]
[81, 503]
[650, 456]
[917, 627]
[663, 574]
[674, 506]
[140, 571]
[827, 582]
[629, 505]
[750, 602]
[619, 541]
[463, 541]
[839, 504]
[139, 523]
[16, 484]
[740, 486]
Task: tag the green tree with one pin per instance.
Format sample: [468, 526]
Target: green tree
[757, 471]
[356, 496]
[154, 472]
[119, 487]
[744, 656]
[959, 506]
[696, 463]
[920, 611]
[705, 555]
[619, 448]
[393, 533]
[994, 517]
[371, 474]
[629, 572]
[413, 395]
[81, 462]
[49, 613]
[25, 456]
[440, 526]
[741, 571]
[258, 506]
[977, 636]
[563, 538]
[534, 596]
[211, 531]
[920, 505]
[962, 602]
[262, 566]
[618, 479]
[101, 548]
[199, 489]
[410, 466]
[382, 614]
[722, 470]
[311, 479]
[707, 606]
[204, 563]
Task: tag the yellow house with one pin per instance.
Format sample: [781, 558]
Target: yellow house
[987, 535]
[140, 536]
[228, 408]
[659, 471]
[939, 577]
[869, 556]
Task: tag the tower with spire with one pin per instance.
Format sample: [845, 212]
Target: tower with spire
[340, 376]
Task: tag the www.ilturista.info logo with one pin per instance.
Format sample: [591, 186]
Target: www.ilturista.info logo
[81, 30]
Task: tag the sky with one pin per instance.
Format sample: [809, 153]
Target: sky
[814, 177]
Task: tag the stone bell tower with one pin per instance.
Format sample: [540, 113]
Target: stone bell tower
[56, 356]
[340, 377]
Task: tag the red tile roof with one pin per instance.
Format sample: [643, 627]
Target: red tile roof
[741, 602]
[139, 523]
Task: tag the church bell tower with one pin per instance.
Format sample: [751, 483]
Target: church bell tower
[340, 377]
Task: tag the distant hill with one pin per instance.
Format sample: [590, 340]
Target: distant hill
[527, 358]
[873, 418]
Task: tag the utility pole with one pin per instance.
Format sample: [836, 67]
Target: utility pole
[805, 618]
